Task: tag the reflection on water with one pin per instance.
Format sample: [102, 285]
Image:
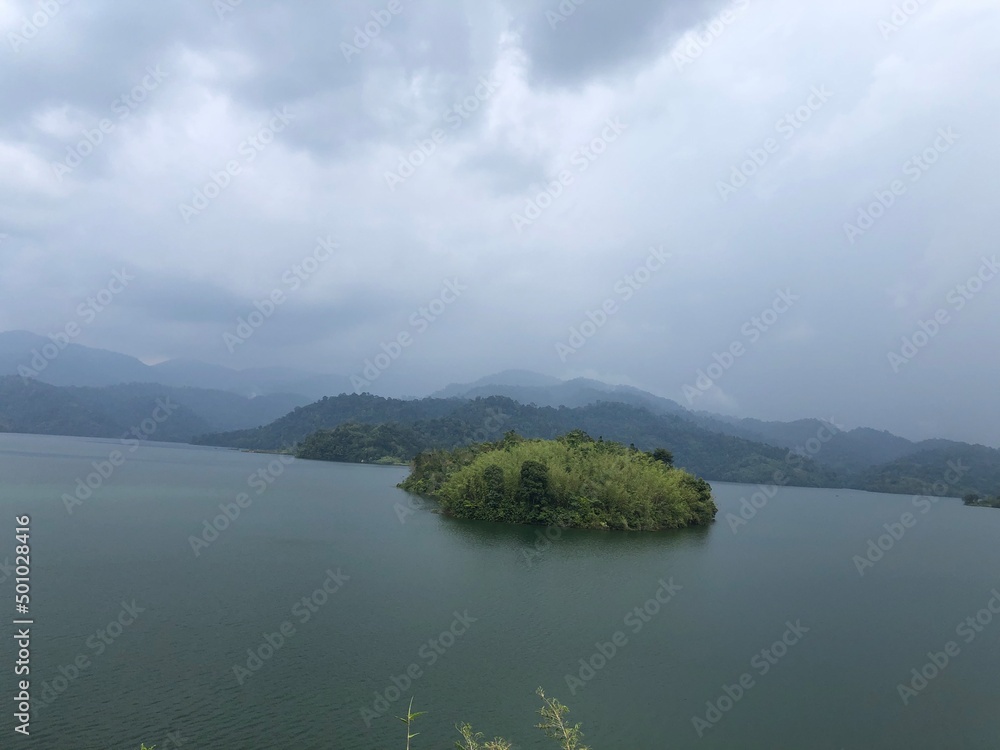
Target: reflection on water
[540, 604]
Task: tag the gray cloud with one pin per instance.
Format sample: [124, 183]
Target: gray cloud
[703, 98]
[571, 41]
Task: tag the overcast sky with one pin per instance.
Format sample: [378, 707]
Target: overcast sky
[507, 166]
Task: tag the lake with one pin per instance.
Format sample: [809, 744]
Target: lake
[788, 629]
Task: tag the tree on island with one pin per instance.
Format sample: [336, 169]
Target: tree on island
[664, 456]
[533, 491]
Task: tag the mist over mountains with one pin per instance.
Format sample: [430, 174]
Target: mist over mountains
[78, 390]
[59, 361]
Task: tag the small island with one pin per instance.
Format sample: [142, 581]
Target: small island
[573, 481]
[981, 501]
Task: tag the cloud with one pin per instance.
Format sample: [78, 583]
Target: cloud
[703, 92]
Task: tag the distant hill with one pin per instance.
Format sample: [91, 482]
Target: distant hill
[543, 390]
[30, 406]
[510, 378]
[27, 405]
[444, 423]
[859, 454]
[328, 413]
[701, 443]
[72, 365]
[577, 392]
[249, 382]
[24, 353]
[719, 447]
[959, 467]
[849, 452]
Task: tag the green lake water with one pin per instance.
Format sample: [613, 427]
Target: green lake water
[475, 616]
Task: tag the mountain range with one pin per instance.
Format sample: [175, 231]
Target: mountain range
[58, 361]
[78, 390]
[28, 405]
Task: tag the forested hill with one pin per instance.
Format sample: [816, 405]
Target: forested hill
[446, 423]
[761, 452]
[956, 468]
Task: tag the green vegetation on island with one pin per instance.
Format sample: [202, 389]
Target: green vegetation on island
[572, 481]
[974, 499]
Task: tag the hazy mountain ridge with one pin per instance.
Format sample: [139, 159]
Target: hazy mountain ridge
[863, 457]
[850, 451]
[514, 378]
[451, 422]
[69, 364]
[537, 405]
[959, 467]
[572, 393]
[31, 406]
